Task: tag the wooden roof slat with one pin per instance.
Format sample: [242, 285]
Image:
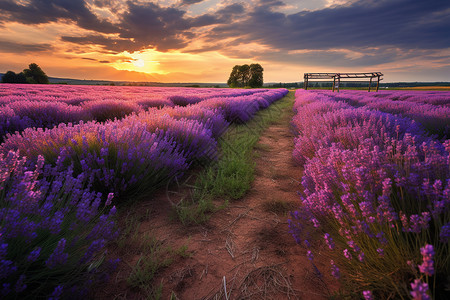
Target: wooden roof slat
[342, 75]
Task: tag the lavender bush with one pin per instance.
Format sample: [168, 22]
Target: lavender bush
[53, 231]
[380, 201]
[121, 158]
[422, 108]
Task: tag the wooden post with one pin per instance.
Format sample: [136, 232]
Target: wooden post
[334, 82]
[378, 82]
[370, 83]
[339, 81]
[305, 82]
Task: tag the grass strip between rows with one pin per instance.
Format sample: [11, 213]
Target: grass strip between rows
[231, 176]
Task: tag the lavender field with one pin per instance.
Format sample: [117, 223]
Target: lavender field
[68, 154]
[376, 187]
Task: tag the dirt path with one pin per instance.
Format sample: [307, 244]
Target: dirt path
[246, 247]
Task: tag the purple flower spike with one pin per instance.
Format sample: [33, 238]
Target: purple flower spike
[380, 252]
[309, 255]
[329, 241]
[20, 284]
[368, 295]
[34, 254]
[419, 290]
[427, 266]
[58, 257]
[335, 270]
[347, 254]
[56, 294]
[444, 235]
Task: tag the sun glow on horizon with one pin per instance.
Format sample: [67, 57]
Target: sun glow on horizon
[140, 63]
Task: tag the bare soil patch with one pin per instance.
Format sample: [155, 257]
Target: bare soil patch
[244, 250]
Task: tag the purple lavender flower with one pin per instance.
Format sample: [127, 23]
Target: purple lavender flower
[368, 295]
[20, 284]
[58, 257]
[361, 256]
[419, 290]
[329, 241]
[6, 289]
[309, 255]
[109, 199]
[3, 250]
[7, 268]
[33, 256]
[381, 238]
[335, 270]
[444, 235]
[347, 254]
[380, 252]
[57, 293]
[427, 254]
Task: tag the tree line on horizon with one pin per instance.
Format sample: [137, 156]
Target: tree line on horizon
[34, 74]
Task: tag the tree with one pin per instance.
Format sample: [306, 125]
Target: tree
[12, 77]
[246, 75]
[256, 76]
[233, 80]
[34, 74]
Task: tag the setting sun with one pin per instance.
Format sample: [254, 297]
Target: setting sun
[140, 63]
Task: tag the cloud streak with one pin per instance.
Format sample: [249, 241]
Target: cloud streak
[14, 47]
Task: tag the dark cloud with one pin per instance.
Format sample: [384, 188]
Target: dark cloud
[96, 60]
[111, 44]
[12, 47]
[399, 23]
[189, 2]
[153, 26]
[148, 25]
[45, 11]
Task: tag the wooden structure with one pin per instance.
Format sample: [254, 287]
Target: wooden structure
[338, 76]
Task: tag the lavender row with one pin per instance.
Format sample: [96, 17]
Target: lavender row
[427, 97]
[53, 231]
[419, 106]
[76, 95]
[18, 115]
[145, 149]
[378, 190]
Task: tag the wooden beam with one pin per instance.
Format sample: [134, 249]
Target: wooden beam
[339, 81]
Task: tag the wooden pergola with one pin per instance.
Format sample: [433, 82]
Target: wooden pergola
[338, 76]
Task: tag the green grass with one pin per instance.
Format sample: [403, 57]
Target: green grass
[231, 176]
[154, 254]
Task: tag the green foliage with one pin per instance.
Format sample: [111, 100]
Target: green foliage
[12, 77]
[246, 75]
[34, 74]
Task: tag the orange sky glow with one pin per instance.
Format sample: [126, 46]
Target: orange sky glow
[200, 41]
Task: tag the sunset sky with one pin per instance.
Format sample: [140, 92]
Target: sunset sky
[201, 40]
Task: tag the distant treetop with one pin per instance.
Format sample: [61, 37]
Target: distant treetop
[33, 74]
